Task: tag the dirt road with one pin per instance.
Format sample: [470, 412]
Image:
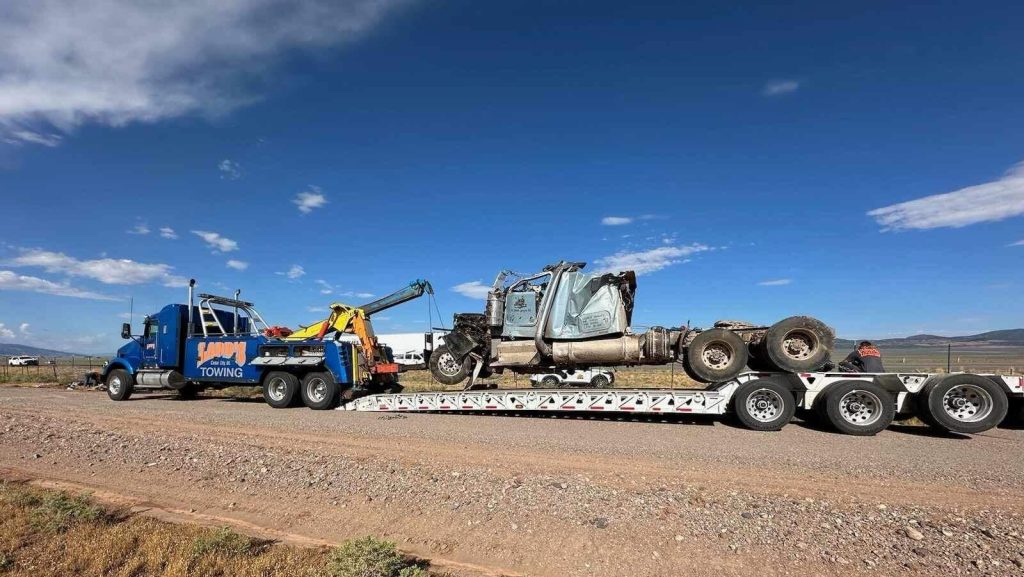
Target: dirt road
[543, 496]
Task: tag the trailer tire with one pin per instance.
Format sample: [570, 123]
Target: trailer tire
[716, 355]
[798, 344]
[764, 405]
[279, 389]
[600, 382]
[446, 370]
[963, 404]
[120, 385]
[320, 391]
[860, 408]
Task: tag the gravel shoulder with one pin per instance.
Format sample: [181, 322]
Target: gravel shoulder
[544, 496]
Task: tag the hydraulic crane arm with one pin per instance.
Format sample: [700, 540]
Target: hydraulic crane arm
[414, 290]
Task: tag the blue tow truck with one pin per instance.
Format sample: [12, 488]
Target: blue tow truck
[222, 342]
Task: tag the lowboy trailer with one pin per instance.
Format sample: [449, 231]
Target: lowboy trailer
[853, 403]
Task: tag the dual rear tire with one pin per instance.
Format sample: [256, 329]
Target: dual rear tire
[317, 390]
[962, 404]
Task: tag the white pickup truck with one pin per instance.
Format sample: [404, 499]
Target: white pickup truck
[598, 378]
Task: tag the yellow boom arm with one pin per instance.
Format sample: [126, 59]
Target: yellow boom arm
[343, 319]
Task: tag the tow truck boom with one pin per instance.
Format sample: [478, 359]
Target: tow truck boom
[414, 290]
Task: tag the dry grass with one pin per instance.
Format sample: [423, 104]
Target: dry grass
[48, 533]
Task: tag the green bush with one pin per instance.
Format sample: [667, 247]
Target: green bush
[414, 571]
[368, 557]
[58, 512]
[222, 540]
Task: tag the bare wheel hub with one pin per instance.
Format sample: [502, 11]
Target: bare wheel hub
[717, 356]
[799, 345]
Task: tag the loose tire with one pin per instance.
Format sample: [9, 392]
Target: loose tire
[120, 385]
[600, 382]
[319, 391]
[716, 355]
[279, 389]
[963, 404]
[798, 344]
[446, 370]
[859, 407]
[764, 405]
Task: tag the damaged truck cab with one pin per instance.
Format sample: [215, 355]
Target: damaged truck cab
[563, 318]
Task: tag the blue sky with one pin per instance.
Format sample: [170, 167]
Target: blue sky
[852, 161]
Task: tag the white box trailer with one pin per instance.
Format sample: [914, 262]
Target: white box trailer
[853, 403]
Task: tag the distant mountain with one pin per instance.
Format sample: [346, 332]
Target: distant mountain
[11, 350]
[1005, 338]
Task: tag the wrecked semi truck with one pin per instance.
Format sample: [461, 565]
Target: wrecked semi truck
[563, 317]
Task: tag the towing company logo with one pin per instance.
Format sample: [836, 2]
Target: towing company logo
[224, 359]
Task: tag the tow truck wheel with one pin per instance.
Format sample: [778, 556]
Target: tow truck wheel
[963, 404]
[716, 355]
[859, 407]
[446, 369]
[119, 385]
[798, 344]
[188, 392]
[279, 389]
[319, 391]
[764, 405]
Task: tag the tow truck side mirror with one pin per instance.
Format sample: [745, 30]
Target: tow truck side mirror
[126, 330]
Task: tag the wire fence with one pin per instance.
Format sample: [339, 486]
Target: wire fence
[48, 369]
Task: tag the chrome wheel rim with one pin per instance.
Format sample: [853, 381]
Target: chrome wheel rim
[114, 385]
[765, 405]
[860, 408]
[447, 365]
[316, 390]
[277, 388]
[968, 403]
[799, 345]
[717, 356]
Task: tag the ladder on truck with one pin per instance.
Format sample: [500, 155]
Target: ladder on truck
[856, 403]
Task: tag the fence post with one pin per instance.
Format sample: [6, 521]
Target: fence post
[949, 357]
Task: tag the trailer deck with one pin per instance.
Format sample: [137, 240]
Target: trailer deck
[867, 404]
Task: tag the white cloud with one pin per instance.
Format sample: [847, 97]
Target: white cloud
[14, 282]
[307, 201]
[24, 328]
[64, 63]
[473, 289]
[6, 333]
[363, 295]
[776, 282]
[616, 220]
[216, 242]
[168, 232]
[237, 264]
[648, 261]
[229, 170]
[22, 136]
[295, 272]
[139, 228]
[780, 87]
[325, 287]
[1018, 243]
[104, 270]
[988, 202]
